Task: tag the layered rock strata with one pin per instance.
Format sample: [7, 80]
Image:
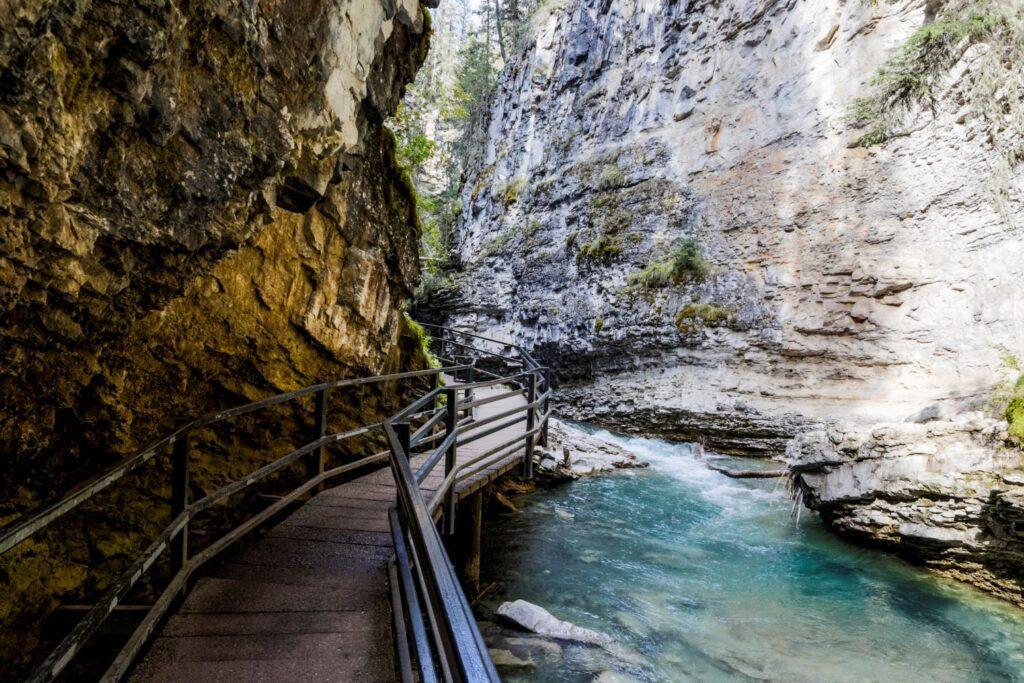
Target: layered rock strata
[837, 282]
[843, 281]
[946, 493]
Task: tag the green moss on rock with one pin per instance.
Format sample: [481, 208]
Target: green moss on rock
[694, 317]
[602, 249]
[1015, 412]
[684, 264]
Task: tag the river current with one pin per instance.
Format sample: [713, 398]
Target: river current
[701, 577]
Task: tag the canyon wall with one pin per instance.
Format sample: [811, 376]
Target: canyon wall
[199, 206]
[836, 279]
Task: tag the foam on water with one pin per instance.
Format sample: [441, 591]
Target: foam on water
[710, 578]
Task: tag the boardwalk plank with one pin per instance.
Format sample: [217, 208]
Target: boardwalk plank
[309, 601]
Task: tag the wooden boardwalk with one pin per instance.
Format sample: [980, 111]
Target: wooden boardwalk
[310, 601]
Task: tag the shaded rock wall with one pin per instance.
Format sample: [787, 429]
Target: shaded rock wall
[197, 198]
[199, 206]
[845, 282]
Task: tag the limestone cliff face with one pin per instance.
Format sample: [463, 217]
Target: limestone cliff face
[844, 283]
[863, 283]
[199, 205]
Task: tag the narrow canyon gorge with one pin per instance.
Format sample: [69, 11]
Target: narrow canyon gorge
[778, 240]
[840, 302]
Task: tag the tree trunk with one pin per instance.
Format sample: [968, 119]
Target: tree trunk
[501, 37]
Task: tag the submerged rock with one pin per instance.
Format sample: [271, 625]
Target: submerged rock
[503, 659]
[536, 619]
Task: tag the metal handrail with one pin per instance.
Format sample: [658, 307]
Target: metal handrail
[524, 354]
[456, 651]
[23, 528]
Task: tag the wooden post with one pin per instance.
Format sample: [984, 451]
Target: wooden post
[471, 373]
[531, 420]
[403, 433]
[451, 419]
[547, 406]
[179, 500]
[470, 531]
[318, 456]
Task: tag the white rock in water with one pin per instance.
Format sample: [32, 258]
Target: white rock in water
[587, 454]
[538, 620]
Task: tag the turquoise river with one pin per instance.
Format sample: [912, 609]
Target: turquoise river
[699, 577]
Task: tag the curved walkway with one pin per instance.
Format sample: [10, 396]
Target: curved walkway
[310, 601]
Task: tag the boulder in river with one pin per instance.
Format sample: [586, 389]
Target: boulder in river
[538, 620]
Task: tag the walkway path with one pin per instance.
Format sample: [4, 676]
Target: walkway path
[310, 600]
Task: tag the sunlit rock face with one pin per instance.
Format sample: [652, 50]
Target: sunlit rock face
[857, 283]
[199, 205]
[846, 283]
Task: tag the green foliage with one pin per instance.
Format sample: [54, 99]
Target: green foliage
[696, 316]
[602, 249]
[497, 244]
[684, 264]
[422, 340]
[510, 191]
[611, 177]
[598, 324]
[1008, 398]
[413, 147]
[913, 73]
[531, 230]
[1014, 412]
[475, 80]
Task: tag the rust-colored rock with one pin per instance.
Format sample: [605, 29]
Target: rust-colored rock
[199, 206]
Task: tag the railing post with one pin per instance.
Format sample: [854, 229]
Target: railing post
[531, 420]
[470, 392]
[547, 406]
[451, 419]
[179, 500]
[318, 456]
[403, 432]
[435, 380]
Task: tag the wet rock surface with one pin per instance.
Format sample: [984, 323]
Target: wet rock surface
[536, 619]
[945, 494]
[573, 453]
